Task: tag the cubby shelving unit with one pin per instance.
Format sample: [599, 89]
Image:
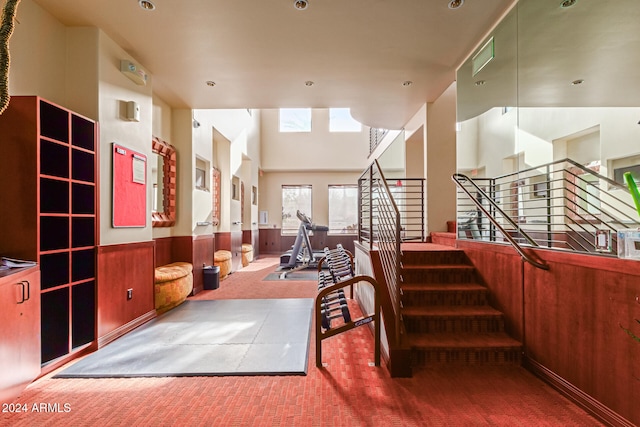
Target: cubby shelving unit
[49, 215]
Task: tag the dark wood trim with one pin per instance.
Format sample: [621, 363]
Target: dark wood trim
[126, 328]
[223, 240]
[573, 393]
[119, 246]
[61, 361]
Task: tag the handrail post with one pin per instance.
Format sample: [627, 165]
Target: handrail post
[397, 302]
[456, 177]
[371, 207]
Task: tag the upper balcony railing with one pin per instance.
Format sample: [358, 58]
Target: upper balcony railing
[561, 205]
[375, 137]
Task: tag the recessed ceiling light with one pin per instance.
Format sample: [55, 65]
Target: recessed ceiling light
[211, 83]
[568, 3]
[300, 4]
[146, 5]
[577, 82]
[455, 4]
[480, 83]
[309, 83]
[407, 83]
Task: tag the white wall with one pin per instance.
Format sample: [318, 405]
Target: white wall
[315, 150]
[229, 140]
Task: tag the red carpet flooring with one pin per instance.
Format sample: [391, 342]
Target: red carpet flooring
[347, 392]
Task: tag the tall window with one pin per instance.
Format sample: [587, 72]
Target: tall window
[340, 120]
[294, 198]
[295, 120]
[343, 209]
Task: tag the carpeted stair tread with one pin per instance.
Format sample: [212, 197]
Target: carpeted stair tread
[442, 287]
[426, 247]
[451, 311]
[464, 340]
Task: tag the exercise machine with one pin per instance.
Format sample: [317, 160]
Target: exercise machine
[302, 256]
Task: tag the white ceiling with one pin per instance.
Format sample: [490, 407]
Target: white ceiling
[261, 52]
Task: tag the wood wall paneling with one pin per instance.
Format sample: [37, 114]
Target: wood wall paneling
[500, 269]
[264, 242]
[163, 254]
[223, 241]
[574, 318]
[271, 241]
[203, 249]
[121, 267]
[571, 319]
[236, 250]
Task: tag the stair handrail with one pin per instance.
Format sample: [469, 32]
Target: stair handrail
[393, 257]
[458, 178]
[571, 162]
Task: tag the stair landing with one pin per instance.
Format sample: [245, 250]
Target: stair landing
[446, 312]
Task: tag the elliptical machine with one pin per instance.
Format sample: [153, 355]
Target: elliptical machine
[301, 256]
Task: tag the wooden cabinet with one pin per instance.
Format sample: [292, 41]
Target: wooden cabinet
[269, 241]
[20, 331]
[49, 214]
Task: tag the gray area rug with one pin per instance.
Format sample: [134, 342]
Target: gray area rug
[209, 338]
[296, 275]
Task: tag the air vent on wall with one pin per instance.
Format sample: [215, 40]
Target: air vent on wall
[483, 57]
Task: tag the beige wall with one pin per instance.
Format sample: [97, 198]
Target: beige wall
[315, 150]
[441, 161]
[114, 90]
[37, 67]
[271, 183]
[532, 132]
[230, 141]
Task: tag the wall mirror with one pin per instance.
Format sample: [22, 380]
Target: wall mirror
[529, 97]
[163, 165]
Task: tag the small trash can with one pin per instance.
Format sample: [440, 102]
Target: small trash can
[211, 278]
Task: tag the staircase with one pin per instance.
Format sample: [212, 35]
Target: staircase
[446, 312]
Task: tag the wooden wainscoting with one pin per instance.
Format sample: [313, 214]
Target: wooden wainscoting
[223, 240]
[500, 267]
[571, 320]
[203, 248]
[196, 250]
[271, 241]
[121, 267]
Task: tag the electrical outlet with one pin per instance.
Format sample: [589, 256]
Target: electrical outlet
[129, 293]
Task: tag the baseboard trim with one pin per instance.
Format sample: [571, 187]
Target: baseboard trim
[579, 397]
[128, 327]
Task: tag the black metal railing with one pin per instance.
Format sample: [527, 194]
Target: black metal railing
[375, 137]
[561, 205]
[379, 226]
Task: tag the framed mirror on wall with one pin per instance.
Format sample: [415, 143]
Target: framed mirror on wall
[163, 164]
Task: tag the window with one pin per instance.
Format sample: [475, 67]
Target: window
[295, 120]
[235, 188]
[343, 209]
[201, 174]
[294, 198]
[201, 180]
[625, 164]
[340, 120]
